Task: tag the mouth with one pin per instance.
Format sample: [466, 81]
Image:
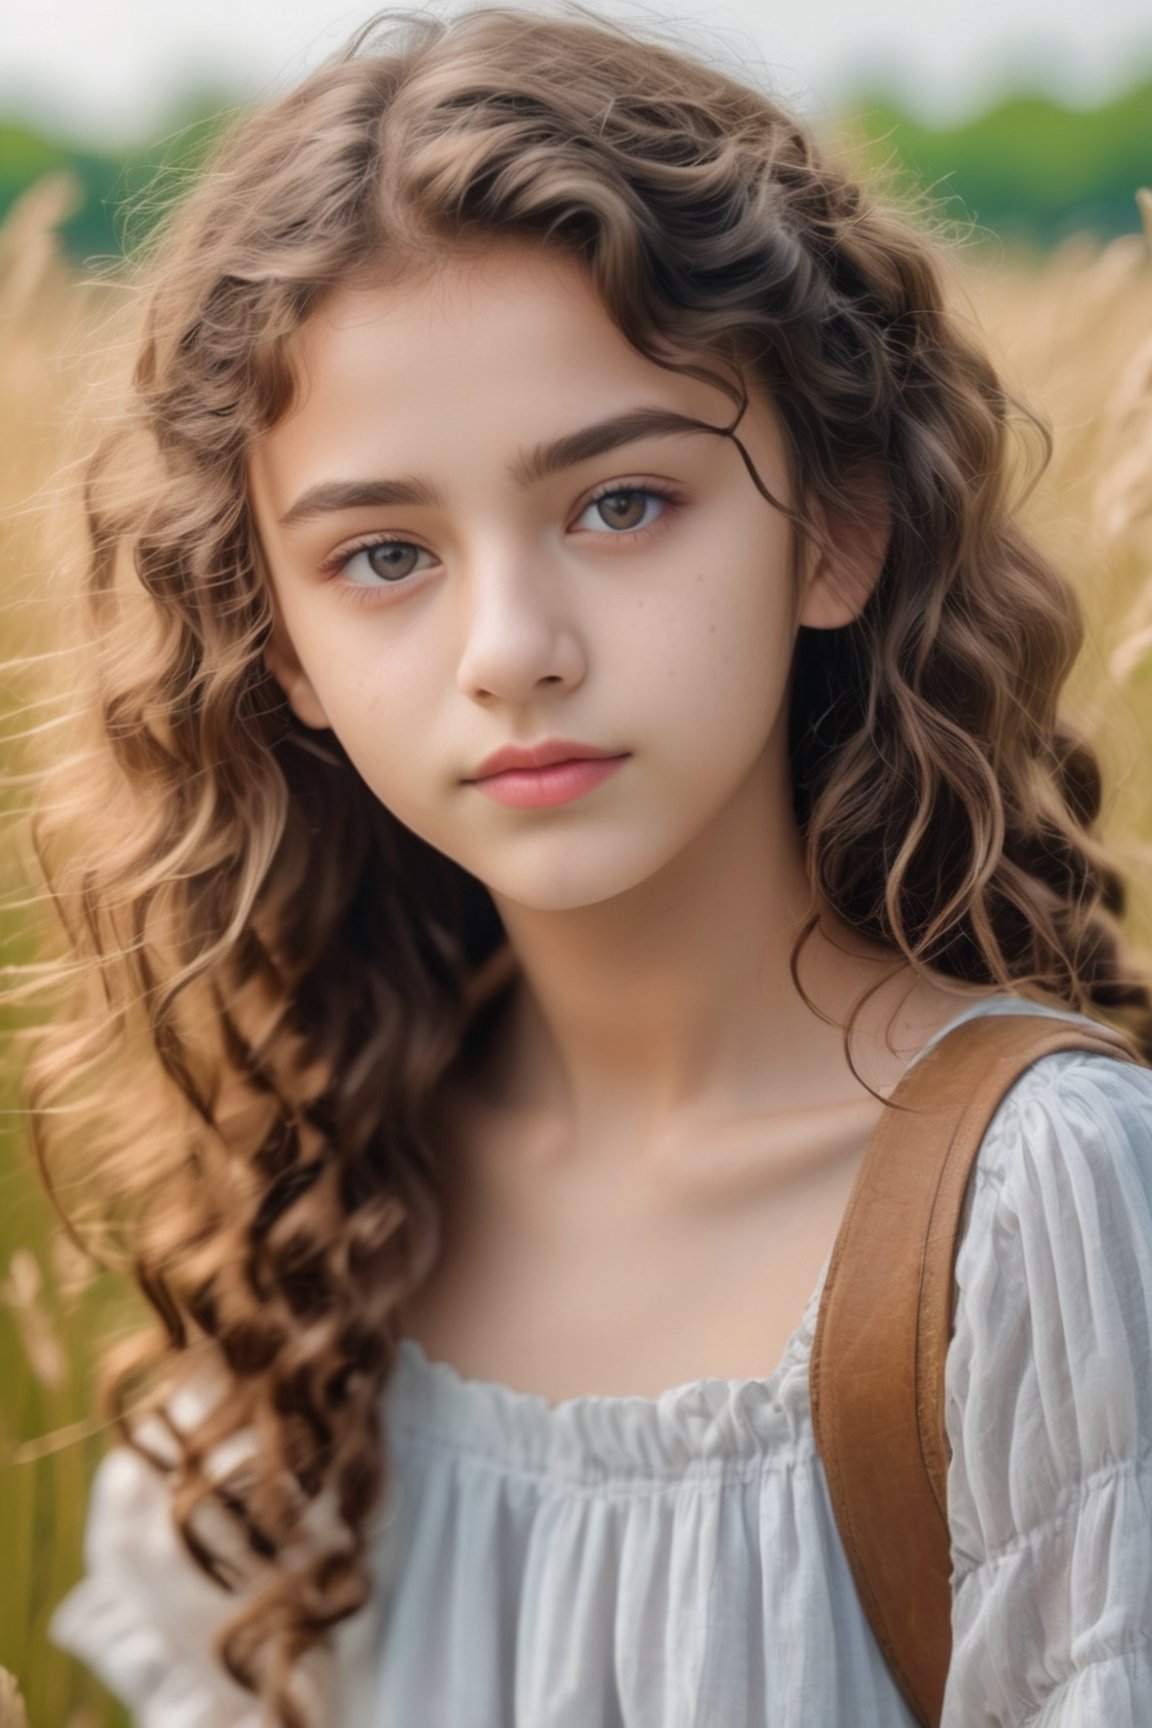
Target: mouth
[545, 754]
[554, 783]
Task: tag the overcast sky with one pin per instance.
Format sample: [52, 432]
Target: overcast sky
[108, 69]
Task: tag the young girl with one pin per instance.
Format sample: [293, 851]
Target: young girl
[573, 719]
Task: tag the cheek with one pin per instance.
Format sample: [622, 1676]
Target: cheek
[714, 658]
[383, 714]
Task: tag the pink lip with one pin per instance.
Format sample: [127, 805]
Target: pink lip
[534, 788]
[541, 755]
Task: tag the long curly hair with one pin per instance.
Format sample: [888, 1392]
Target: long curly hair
[269, 974]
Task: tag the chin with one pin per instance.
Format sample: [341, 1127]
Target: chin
[544, 897]
[566, 876]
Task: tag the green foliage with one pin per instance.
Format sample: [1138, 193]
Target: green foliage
[1027, 169]
[122, 191]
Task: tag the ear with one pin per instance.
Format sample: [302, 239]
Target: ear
[842, 566]
[283, 663]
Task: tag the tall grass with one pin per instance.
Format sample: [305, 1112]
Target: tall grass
[52, 1310]
[1073, 334]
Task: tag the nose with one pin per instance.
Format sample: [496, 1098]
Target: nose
[519, 629]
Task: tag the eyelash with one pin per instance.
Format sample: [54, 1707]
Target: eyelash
[365, 594]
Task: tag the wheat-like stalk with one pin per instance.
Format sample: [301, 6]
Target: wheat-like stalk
[12, 1711]
[1073, 334]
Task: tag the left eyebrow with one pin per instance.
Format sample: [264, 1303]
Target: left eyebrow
[526, 470]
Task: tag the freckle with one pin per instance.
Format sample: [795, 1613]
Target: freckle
[711, 629]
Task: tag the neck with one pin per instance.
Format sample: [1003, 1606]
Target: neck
[675, 999]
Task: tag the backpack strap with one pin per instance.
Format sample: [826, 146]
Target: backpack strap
[885, 1320]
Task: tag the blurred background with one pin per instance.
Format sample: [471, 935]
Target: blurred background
[1034, 121]
[1022, 136]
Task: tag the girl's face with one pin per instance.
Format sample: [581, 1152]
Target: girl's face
[470, 546]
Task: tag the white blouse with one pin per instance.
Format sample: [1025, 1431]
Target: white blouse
[627, 1562]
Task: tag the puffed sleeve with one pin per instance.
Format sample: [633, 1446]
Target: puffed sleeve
[144, 1617]
[1049, 1407]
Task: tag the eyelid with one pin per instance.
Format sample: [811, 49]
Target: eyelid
[667, 491]
[629, 483]
[337, 560]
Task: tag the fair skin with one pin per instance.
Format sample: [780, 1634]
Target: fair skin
[652, 1150]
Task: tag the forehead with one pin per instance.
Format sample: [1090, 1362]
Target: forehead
[511, 316]
[463, 281]
[456, 365]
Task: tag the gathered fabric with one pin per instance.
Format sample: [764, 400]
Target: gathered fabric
[629, 1562]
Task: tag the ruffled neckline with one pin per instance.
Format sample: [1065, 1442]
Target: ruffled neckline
[703, 1422]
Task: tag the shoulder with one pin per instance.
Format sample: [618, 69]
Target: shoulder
[1049, 1370]
[1075, 1124]
[1048, 1401]
[144, 1618]
[1063, 1175]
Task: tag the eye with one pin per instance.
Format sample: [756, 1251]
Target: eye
[381, 562]
[392, 560]
[626, 509]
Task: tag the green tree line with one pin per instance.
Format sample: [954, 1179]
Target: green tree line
[1027, 170]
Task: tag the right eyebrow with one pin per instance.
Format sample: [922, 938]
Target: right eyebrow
[331, 496]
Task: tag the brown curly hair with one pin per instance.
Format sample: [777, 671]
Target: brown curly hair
[271, 974]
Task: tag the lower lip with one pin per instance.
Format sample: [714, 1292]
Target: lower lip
[534, 788]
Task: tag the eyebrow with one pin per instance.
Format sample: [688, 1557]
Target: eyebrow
[331, 496]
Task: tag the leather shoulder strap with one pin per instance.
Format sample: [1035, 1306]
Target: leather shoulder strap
[884, 1324]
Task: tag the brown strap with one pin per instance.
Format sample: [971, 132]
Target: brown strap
[882, 1334]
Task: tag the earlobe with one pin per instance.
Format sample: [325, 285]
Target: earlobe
[281, 661]
[837, 593]
[843, 570]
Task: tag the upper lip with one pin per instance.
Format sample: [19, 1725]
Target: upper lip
[538, 756]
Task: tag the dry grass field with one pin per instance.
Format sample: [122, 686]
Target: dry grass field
[1074, 336]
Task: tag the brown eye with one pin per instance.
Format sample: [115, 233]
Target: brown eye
[622, 509]
[392, 559]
